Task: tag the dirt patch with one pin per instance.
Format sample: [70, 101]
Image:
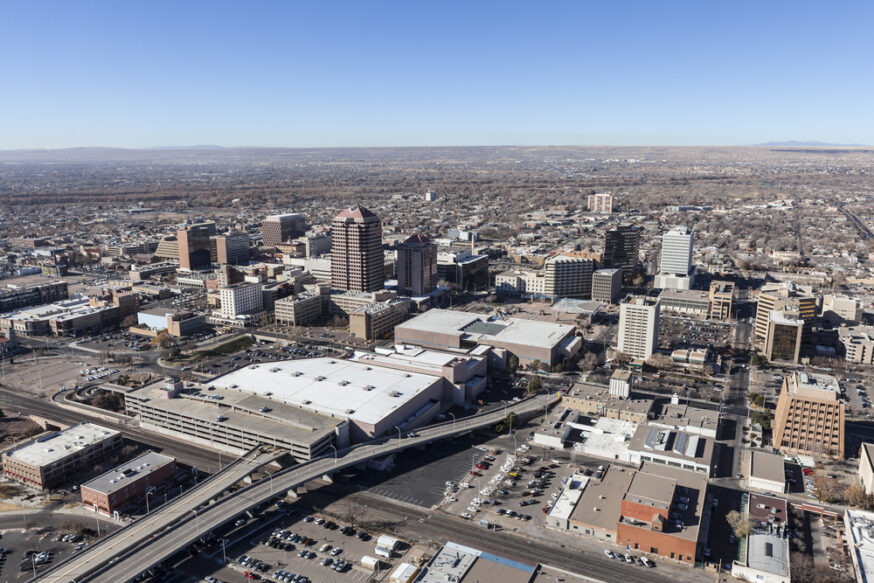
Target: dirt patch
[15, 429]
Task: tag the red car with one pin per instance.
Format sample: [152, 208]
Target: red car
[807, 471]
[481, 466]
[251, 575]
[473, 473]
[546, 509]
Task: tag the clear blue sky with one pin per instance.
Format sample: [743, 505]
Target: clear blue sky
[371, 73]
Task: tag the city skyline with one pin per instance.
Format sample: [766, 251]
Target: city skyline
[277, 75]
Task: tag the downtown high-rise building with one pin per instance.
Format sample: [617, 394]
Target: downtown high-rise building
[621, 249]
[357, 261]
[277, 229]
[417, 266]
[675, 260]
[638, 326]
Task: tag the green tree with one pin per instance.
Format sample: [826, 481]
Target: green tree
[534, 384]
[759, 360]
[513, 362]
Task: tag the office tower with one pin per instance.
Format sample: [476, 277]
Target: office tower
[810, 416]
[417, 266]
[721, 296]
[357, 261]
[567, 276]
[277, 229]
[787, 297]
[241, 298]
[607, 285]
[621, 249]
[470, 272]
[232, 249]
[638, 326]
[600, 203]
[676, 255]
[194, 245]
[783, 341]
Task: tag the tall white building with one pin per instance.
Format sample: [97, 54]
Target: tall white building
[638, 326]
[241, 298]
[676, 254]
[675, 262]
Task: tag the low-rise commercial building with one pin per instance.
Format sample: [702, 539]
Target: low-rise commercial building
[766, 472]
[596, 400]
[13, 298]
[678, 449]
[120, 486]
[766, 556]
[528, 340]
[859, 529]
[74, 316]
[685, 301]
[52, 459]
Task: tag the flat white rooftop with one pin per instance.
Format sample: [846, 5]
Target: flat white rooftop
[860, 540]
[58, 445]
[364, 392]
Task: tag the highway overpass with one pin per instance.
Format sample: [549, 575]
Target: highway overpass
[135, 550]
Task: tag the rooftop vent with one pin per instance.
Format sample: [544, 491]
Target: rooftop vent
[307, 402]
[368, 387]
[343, 383]
[320, 378]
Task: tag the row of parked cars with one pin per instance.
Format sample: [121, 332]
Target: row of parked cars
[627, 558]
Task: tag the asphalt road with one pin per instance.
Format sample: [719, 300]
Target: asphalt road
[132, 559]
[204, 459]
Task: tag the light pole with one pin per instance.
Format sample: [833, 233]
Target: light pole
[97, 516]
[453, 420]
[224, 555]
[147, 502]
[270, 474]
[335, 453]
[196, 519]
[399, 433]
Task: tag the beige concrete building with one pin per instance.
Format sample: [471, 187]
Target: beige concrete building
[810, 416]
[378, 320]
[596, 401]
[838, 308]
[858, 343]
[785, 296]
[866, 467]
[721, 297]
[766, 472]
[300, 310]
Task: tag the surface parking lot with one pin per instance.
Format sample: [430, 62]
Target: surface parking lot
[278, 539]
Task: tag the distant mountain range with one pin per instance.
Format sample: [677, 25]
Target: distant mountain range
[802, 143]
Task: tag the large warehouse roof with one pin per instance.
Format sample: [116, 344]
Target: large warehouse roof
[360, 391]
[476, 326]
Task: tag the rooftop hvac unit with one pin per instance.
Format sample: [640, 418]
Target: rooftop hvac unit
[320, 378]
[343, 383]
[369, 387]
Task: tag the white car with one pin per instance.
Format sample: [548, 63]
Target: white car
[466, 515]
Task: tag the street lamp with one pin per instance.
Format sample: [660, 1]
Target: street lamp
[399, 432]
[335, 452]
[147, 501]
[224, 555]
[453, 420]
[196, 518]
[270, 474]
